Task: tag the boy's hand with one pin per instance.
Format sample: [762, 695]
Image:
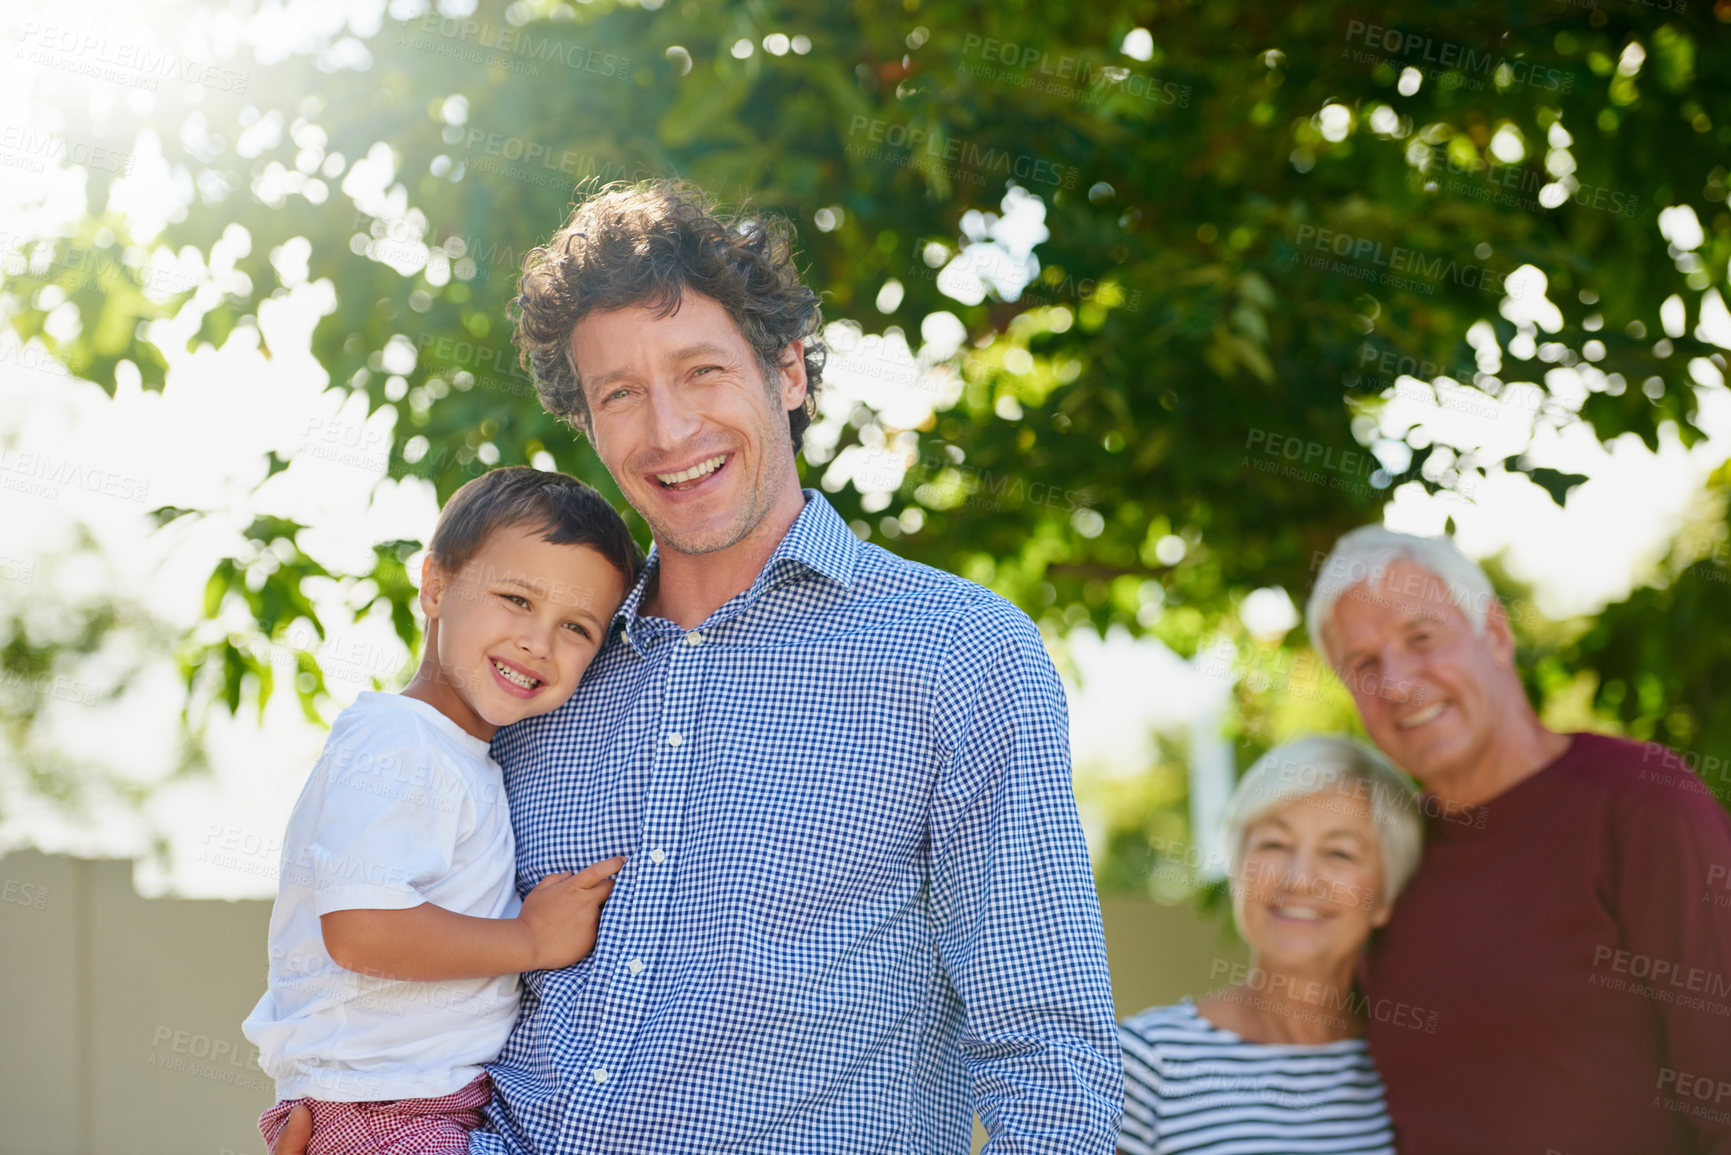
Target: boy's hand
[296, 1133]
[563, 912]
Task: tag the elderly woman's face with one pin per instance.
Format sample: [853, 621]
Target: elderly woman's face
[1311, 886]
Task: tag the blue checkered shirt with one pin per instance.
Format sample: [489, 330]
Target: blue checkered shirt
[857, 886]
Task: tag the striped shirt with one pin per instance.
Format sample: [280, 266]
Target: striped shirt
[857, 902]
[1191, 1087]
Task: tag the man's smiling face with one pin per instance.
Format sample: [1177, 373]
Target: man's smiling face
[682, 417]
[1433, 692]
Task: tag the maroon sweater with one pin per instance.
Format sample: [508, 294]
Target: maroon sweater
[1556, 979]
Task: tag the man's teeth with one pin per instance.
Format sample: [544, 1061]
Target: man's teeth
[1299, 912]
[695, 472]
[515, 678]
[1422, 716]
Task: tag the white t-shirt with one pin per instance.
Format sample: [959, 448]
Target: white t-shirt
[404, 807]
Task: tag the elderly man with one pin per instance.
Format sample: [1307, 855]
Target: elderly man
[1561, 926]
[858, 904]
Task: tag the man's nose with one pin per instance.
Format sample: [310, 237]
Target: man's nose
[672, 418]
[1396, 680]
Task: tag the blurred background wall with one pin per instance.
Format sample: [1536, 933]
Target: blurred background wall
[120, 1027]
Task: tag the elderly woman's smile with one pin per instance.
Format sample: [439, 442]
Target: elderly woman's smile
[1310, 887]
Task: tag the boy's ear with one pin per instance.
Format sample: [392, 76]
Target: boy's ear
[432, 586]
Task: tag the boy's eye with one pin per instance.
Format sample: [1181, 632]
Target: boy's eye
[516, 600]
[578, 628]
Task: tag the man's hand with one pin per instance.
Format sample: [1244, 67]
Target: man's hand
[563, 912]
[296, 1133]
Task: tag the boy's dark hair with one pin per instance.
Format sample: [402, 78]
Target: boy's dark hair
[644, 244]
[564, 510]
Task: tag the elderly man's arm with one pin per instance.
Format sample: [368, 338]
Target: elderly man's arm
[1673, 874]
[1018, 919]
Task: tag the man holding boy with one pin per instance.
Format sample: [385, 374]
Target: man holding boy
[1559, 871]
[857, 900]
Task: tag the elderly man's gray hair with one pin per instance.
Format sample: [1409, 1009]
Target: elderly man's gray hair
[1365, 555]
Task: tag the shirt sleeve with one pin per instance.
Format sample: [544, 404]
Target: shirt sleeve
[390, 817]
[1018, 919]
[1673, 901]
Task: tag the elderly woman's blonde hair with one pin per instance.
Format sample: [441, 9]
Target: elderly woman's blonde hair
[1320, 764]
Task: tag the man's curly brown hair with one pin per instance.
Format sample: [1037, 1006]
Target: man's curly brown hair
[645, 244]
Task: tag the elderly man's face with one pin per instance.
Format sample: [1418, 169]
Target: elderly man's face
[1434, 694]
[683, 419]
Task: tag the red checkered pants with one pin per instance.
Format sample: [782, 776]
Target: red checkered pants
[399, 1127]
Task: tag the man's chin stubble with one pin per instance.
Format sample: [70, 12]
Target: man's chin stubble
[698, 545]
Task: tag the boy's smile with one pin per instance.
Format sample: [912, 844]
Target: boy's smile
[511, 633]
[516, 678]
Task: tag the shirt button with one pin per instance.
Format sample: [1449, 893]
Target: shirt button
[635, 966]
[658, 856]
[676, 739]
[599, 1074]
[694, 638]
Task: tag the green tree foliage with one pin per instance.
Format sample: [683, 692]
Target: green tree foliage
[1255, 219]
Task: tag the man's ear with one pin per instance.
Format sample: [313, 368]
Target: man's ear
[432, 587]
[792, 384]
[1498, 634]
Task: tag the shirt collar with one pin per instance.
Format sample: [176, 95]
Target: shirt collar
[818, 542]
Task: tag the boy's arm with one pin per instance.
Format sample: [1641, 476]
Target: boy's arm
[426, 943]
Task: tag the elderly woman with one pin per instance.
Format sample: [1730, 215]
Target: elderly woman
[1322, 834]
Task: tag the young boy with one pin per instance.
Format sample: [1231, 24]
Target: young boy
[397, 935]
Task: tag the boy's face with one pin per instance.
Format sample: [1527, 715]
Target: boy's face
[517, 626]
